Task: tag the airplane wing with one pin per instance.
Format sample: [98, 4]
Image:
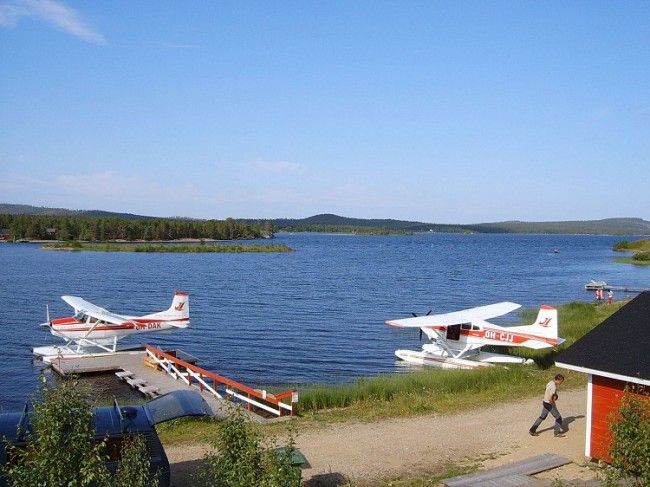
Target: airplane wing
[479, 313]
[90, 309]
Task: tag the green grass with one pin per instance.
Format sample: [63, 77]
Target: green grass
[644, 260]
[640, 251]
[627, 245]
[220, 248]
[438, 390]
[431, 390]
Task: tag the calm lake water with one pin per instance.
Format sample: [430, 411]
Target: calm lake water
[314, 315]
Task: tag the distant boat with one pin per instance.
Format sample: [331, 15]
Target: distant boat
[556, 250]
[593, 285]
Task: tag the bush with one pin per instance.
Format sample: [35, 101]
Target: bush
[62, 448]
[630, 448]
[133, 469]
[642, 256]
[241, 459]
[622, 245]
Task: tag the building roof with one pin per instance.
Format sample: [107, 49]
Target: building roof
[618, 348]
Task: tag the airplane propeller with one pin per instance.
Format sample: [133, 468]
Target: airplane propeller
[415, 316]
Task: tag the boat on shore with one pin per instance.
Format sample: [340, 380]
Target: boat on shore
[593, 285]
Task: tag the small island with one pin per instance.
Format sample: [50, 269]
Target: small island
[640, 251]
[179, 248]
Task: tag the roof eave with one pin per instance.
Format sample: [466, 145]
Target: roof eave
[611, 375]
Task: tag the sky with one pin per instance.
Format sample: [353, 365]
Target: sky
[434, 111]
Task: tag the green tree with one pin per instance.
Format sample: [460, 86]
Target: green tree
[61, 449]
[241, 457]
[630, 447]
[133, 469]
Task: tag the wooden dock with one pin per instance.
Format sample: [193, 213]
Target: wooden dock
[142, 370]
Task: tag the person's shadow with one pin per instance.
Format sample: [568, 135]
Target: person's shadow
[565, 423]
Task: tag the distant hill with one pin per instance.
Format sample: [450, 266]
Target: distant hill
[328, 222]
[609, 226]
[11, 209]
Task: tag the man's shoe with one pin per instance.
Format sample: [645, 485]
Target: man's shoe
[533, 433]
[560, 435]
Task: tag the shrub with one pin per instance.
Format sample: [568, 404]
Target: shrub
[642, 256]
[133, 469]
[622, 245]
[241, 459]
[630, 448]
[60, 448]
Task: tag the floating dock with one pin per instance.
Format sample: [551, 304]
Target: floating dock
[155, 372]
[595, 285]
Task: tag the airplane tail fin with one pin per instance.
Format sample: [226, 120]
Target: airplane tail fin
[179, 309]
[545, 326]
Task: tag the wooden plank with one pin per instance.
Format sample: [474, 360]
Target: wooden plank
[513, 480]
[528, 466]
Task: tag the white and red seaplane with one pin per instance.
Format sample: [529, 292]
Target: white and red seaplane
[457, 338]
[95, 329]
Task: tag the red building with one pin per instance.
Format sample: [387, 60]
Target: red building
[616, 356]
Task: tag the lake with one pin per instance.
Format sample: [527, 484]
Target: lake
[313, 315]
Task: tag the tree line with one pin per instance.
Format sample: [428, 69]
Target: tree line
[61, 227]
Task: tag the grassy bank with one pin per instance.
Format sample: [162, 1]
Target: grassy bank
[199, 248]
[640, 251]
[436, 390]
[430, 390]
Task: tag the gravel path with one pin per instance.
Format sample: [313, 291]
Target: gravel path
[363, 452]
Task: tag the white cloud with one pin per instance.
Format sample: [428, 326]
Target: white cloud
[56, 13]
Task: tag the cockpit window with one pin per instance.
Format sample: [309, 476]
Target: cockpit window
[465, 326]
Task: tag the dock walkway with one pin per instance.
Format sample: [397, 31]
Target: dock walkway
[151, 380]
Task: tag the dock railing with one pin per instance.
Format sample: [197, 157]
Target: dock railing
[217, 384]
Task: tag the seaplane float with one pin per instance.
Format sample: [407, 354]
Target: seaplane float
[457, 337]
[96, 330]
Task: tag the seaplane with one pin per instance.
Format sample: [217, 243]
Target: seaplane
[93, 329]
[457, 337]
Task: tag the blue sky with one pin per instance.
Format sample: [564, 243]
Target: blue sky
[432, 111]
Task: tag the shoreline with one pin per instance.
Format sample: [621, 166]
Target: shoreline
[190, 248]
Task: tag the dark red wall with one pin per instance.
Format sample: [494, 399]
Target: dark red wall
[605, 401]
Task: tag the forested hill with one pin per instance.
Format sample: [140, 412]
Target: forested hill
[329, 222]
[106, 226]
[10, 209]
[335, 223]
[607, 226]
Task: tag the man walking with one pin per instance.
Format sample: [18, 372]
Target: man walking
[548, 406]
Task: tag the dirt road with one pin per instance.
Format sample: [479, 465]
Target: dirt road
[495, 434]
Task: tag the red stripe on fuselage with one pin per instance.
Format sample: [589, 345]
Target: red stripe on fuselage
[66, 324]
[517, 337]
